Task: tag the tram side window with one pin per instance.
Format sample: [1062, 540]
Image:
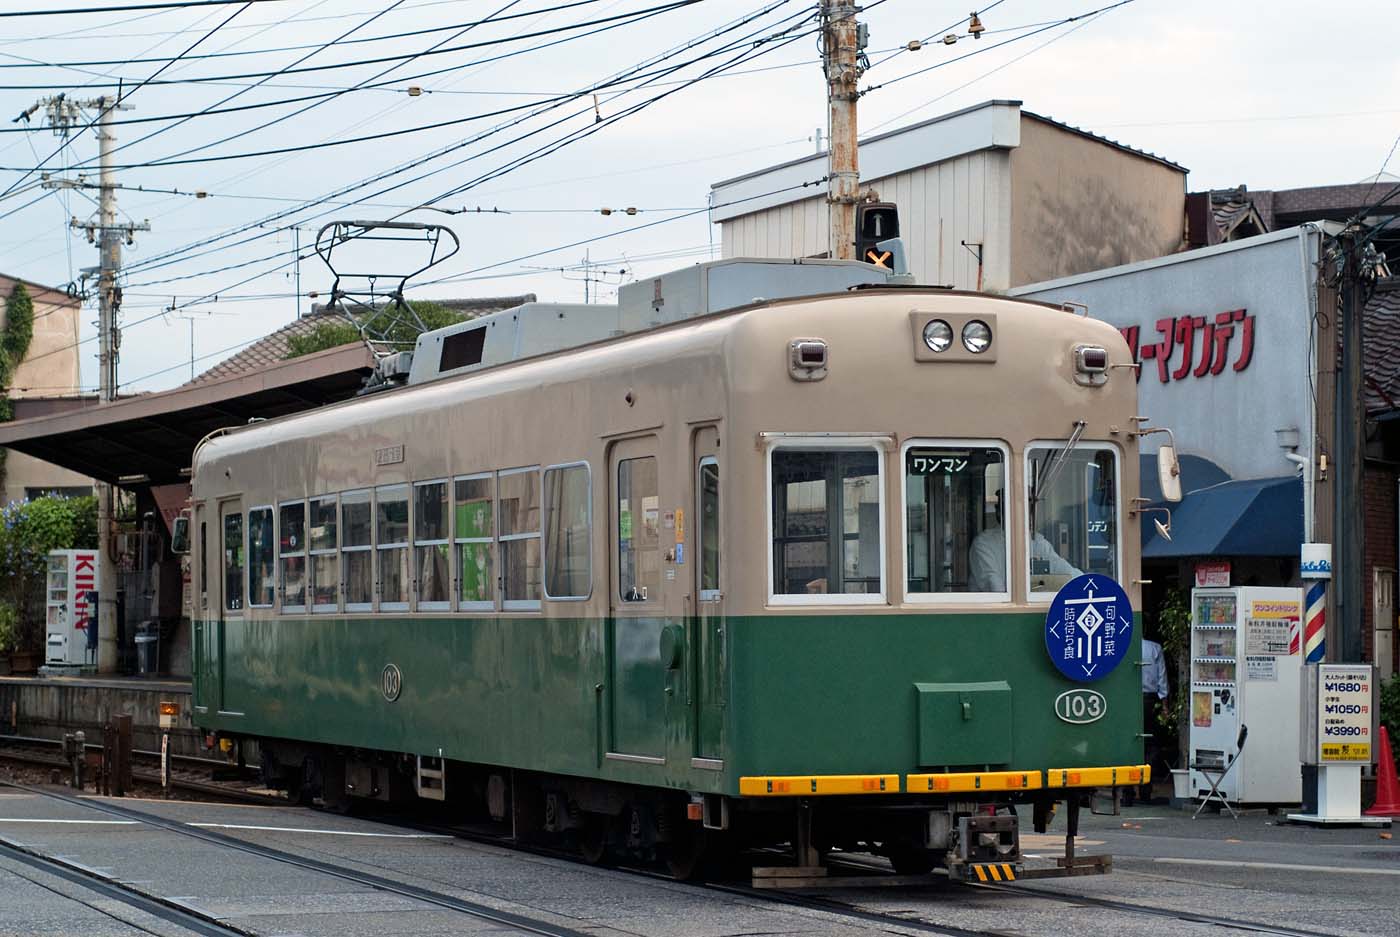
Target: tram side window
[262, 586]
[474, 528]
[518, 497]
[638, 530]
[709, 528]
[233, 562]
[291, 547]
[567, 532]
[826, 522]
[1073, 514]
[431, 550]
[203, 565]
[357, 550]
[954, 499]
[391, 512]
[323, 543]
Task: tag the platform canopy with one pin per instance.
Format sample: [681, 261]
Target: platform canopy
[149, 439]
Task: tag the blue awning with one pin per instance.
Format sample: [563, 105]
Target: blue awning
[1250, 517]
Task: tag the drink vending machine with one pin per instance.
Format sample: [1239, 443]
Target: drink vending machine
[70, 617]
[1246, 660]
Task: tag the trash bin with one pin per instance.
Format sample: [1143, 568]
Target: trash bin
[147, 648]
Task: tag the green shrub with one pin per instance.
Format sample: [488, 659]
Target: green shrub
[1388, 707]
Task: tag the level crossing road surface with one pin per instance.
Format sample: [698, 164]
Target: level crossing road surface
[1173, 876]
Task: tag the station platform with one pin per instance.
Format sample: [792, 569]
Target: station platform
[48, 706]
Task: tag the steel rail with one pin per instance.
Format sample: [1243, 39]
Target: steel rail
[507, 919]
[113, 890]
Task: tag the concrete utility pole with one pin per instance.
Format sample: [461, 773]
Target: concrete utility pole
[1349, 436]
[108, 235]
[841, 45]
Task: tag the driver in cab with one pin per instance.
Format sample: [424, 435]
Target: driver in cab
[987, 558]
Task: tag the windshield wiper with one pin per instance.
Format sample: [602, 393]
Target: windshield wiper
[1053, 466]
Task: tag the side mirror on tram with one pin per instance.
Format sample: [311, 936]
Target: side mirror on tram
[180, 535]
[1168, 476]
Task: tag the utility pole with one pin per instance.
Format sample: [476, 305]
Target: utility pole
[108, 235]
[1357, 261]
[842, 41]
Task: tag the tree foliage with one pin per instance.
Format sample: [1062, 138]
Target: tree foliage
[19, 326]
[339, 331]
[14, 345]
[28, 531]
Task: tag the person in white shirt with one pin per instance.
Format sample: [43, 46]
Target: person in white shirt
[987, 558]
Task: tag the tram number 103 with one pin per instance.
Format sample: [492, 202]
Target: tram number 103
[1081, 706]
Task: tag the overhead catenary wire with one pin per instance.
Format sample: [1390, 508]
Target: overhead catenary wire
[70, 138]
[128, 7]
[515, 164]
[185, 251]
[748, 53]
[203, 56]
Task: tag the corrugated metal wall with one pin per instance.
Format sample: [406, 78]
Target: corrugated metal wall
[967, 198]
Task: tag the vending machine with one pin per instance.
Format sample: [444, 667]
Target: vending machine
[72, 579]
[1246, 665]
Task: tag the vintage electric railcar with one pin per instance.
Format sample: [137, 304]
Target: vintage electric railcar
[777, 573]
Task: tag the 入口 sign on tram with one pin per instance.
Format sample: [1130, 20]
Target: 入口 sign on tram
[1344, 714]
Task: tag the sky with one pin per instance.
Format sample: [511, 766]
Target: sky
[1268, 93]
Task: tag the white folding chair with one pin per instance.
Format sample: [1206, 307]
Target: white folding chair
[1215, 772]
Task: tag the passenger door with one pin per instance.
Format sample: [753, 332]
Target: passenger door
[230, 595]
[708, 623]
[641, 685]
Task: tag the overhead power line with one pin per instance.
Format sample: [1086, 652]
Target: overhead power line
[69, 139]
[336, 66]
[128, 7]
[163, 258]
[344, 42]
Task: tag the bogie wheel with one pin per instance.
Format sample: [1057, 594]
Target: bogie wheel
[686, 853]
[909, 860]
[593, 838]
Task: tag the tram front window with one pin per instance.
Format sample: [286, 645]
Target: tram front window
[953, 501]
[826, 522]
[1073, 498]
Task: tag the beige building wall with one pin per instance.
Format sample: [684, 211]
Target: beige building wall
[966, 198]
[50, 369]
[990, 197]
[1079, 204]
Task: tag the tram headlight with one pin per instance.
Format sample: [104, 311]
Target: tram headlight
[938, 335]
[976, 336]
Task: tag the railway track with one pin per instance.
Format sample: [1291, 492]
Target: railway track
[188, 773]
[823, 903]
[509, 921]
[846, 909]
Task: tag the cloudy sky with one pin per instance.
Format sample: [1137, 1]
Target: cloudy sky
[1270, 93]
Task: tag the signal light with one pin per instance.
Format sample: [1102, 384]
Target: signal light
[876, 222]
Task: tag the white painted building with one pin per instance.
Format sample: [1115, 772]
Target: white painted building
[989, 197]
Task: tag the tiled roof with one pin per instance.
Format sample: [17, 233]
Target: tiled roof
[272, 348]
[1381, 324]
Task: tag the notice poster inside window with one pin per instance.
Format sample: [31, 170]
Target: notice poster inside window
[1213, 574]
[1270, 627]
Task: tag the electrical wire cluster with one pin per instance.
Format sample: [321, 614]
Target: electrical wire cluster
[487, 143]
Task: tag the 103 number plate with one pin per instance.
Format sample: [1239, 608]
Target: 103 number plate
[1081, 706]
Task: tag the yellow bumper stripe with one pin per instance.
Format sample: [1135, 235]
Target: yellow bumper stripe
[1115, 776]
[996, 873]
[994, 781]
[1010, 872]
[981, 872]
[818, 784]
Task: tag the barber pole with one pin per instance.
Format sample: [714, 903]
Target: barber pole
[1315, 563]
[1315, 623]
